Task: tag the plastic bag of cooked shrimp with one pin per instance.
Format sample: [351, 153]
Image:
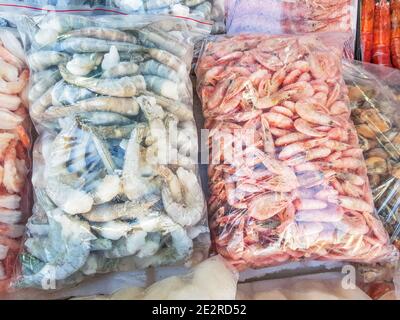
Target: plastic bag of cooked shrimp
[15, 144]
[114, 176]
[293, 17]
[285, 160]
[373, 92]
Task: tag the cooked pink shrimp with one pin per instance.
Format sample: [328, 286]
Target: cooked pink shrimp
[317, 153]
[8, 72]
[292, 77]
[305, 128]
[309, 204]
[279, 120]
[15, 87]
[13, 177]
[290, 138]
[7, 56]
[10, 102]
[355, 204]
[282, 110]
[279, 132]
[308, 112]
[347, 163]
[339, 107]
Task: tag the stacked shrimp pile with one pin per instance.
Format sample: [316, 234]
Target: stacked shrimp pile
[295, 186]
[114, 173]
[14, 149]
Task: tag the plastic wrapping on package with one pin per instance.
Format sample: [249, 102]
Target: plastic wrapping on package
[15, 145]
[115, 175]
[287, 176]
[61, 3]
[293, 17]
[211, 10]
[212, 279]
[324, 286]
[205, 11]
[374, 100]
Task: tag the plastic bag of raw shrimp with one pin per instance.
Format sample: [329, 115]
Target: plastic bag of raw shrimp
[205, 11]
[287, 177]
[15, 145]
[374, 92]
[211, 10]
[114, 174]
[293, 17]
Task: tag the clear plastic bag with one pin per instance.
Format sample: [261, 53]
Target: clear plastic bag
[212, 279]
[211, 10]
[287, 176]
[299, 16]
[293, 17]
[15, 149]
[61, 3]
[373, 94]
[115, 175]
[324, 286]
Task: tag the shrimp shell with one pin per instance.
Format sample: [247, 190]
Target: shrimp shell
[124, 106]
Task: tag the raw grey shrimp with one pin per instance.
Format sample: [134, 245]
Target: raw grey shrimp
[122, 69]
[124, 211]
[91, 45]
[60, 263]
[122, 87]
[83, 64]
[123, 106]
[107, 96]
[64, 94]
[42, 60]
[42, 85]
[190, 211]
[152, 67]
[101, 33]
[163, 41]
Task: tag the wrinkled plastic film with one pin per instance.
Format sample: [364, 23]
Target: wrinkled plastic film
[374, 103]
[324, 286]
[213, 279]
[287, 177]
[290, 16]
[293, 17]
[206, 10]
[115, 174]
[15, 145]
